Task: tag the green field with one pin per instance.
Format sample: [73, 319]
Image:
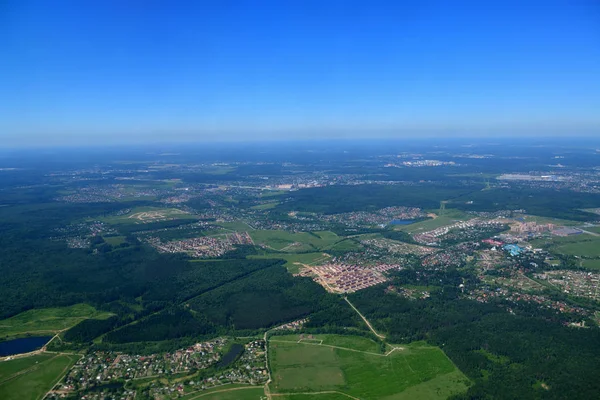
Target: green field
[547, 220]
[31, 379]
[293, 261]
[448, 218]
[355, 366]
[265, 206]
[591, 264]
[320, 396]
[294, 242]
[48, 320]
[586, 248]
[583, 245]
[229, 392]
[595, 229]
[145, 215]
[114, 240]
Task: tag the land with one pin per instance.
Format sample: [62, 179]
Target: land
[33, 377]
[355, 367]
[407, 270]
[46, 321]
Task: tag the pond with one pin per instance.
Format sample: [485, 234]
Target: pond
[231, 355]
[23, 345]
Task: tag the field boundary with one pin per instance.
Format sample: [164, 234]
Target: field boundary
[338, 347]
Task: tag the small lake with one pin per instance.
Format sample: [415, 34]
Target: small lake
[401, 221]
[231, 355]
[23, 345]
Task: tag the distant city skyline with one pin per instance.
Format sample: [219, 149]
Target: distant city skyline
[104, 72]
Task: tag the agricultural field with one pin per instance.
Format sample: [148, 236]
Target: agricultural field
[547, 220]
[114, 240]
[314, 396]
[294, 261]
[48, 320]
[447, 218]
[229, 392]
[355, 366]
[591, 264]
[294, 242]
[583, 245]
[145, 215]
[33, 378]
[595, 229]
[265, 206]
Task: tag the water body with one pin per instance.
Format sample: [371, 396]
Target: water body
[231, 355]
[23, 345]
[401, 222]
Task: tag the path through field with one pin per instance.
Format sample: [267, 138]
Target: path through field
[380, 336]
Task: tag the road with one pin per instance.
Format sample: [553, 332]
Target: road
[380, 336]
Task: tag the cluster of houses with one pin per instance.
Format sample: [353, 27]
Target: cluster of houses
[343, 278]
[202, 247]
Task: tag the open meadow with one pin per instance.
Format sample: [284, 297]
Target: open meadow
[356, 366]
[295, 242]
[32, 377]
[48, 320]
[145, 215]
[294, 261]
[229, 392]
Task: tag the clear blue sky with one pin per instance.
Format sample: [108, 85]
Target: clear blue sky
[133, 70]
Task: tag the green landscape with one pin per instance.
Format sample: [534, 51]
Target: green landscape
[352, 366]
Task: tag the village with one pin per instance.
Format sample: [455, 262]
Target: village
[98, 373]
[202, 247]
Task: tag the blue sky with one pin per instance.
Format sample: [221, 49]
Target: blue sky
[144, 70]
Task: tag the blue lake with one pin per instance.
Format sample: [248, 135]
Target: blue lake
[401, 221]
[23, 345]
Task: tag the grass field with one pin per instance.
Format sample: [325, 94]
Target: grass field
[591, 264]
[229, 392]
[355, 366]
[31, 379]
[586, 247]
[265, 206]
[294, 242]
[547, 220]
[48, 320]
[447, 218]
[320, 396]
[144, 215]
[293, 261]
[114, 240]
[583, 245]
[595, 229]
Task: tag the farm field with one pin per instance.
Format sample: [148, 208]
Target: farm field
[265, 206]
[229, 392]
[591, 264]
[449, 217]
[48, 320]
[114, 240]
[294, 242]
[144, 215]
[293, 261]
[414, 371]
[578, 245]
[314, 396]
[595, 229]
[31, 380]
